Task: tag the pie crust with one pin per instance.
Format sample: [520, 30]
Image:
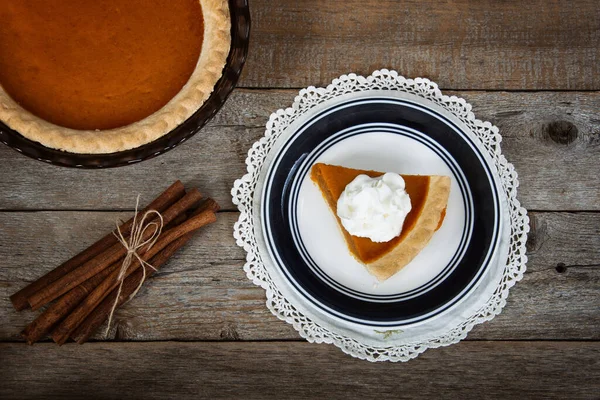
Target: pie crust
[385, 259]
[213, 56]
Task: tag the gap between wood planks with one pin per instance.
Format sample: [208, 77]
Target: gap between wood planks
[295, 340]
[228, 210]
[443, 89]
[34, 210]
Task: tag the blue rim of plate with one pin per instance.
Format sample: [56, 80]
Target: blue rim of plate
[304, 170]
[278, 232]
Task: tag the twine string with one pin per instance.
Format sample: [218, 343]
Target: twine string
[135, 244]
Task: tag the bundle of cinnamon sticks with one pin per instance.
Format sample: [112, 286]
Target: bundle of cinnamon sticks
[87, 288]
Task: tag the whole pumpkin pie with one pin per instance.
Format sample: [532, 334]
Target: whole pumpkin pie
[108, 75]
[428, 197]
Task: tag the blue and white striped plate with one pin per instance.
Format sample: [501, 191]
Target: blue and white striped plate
[384, 134]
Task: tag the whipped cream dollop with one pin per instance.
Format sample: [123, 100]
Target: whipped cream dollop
[374, 208]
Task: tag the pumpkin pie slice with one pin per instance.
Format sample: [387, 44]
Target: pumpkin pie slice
[108, 75]
[428, 197]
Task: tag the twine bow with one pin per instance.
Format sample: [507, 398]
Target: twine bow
[136, 243]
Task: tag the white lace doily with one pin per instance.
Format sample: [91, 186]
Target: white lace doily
[390, 345]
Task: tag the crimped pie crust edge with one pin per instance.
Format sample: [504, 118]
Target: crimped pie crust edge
[215, 49]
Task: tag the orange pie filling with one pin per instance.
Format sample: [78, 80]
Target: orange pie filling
[332, 180]
[97, 64]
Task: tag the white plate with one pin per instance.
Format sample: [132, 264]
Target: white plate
[318, 325]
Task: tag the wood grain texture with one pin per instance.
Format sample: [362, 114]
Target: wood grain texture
[461, 44]
[553, 139]
[482, 370]
[203, 293]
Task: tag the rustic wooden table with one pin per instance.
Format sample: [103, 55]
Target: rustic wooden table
[201, 329]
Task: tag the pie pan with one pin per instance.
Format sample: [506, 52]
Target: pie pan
[240, 35]
[386, 134]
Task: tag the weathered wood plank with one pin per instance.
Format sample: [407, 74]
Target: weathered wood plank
[552, 138]
[461, 44]
[482, 370]
[203, 293]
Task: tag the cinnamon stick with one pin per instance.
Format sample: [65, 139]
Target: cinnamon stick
[106, 258]
[161, 203]
[208, 204]
[67, 302]
[63, 306]
[100, 314]
[68, 325]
